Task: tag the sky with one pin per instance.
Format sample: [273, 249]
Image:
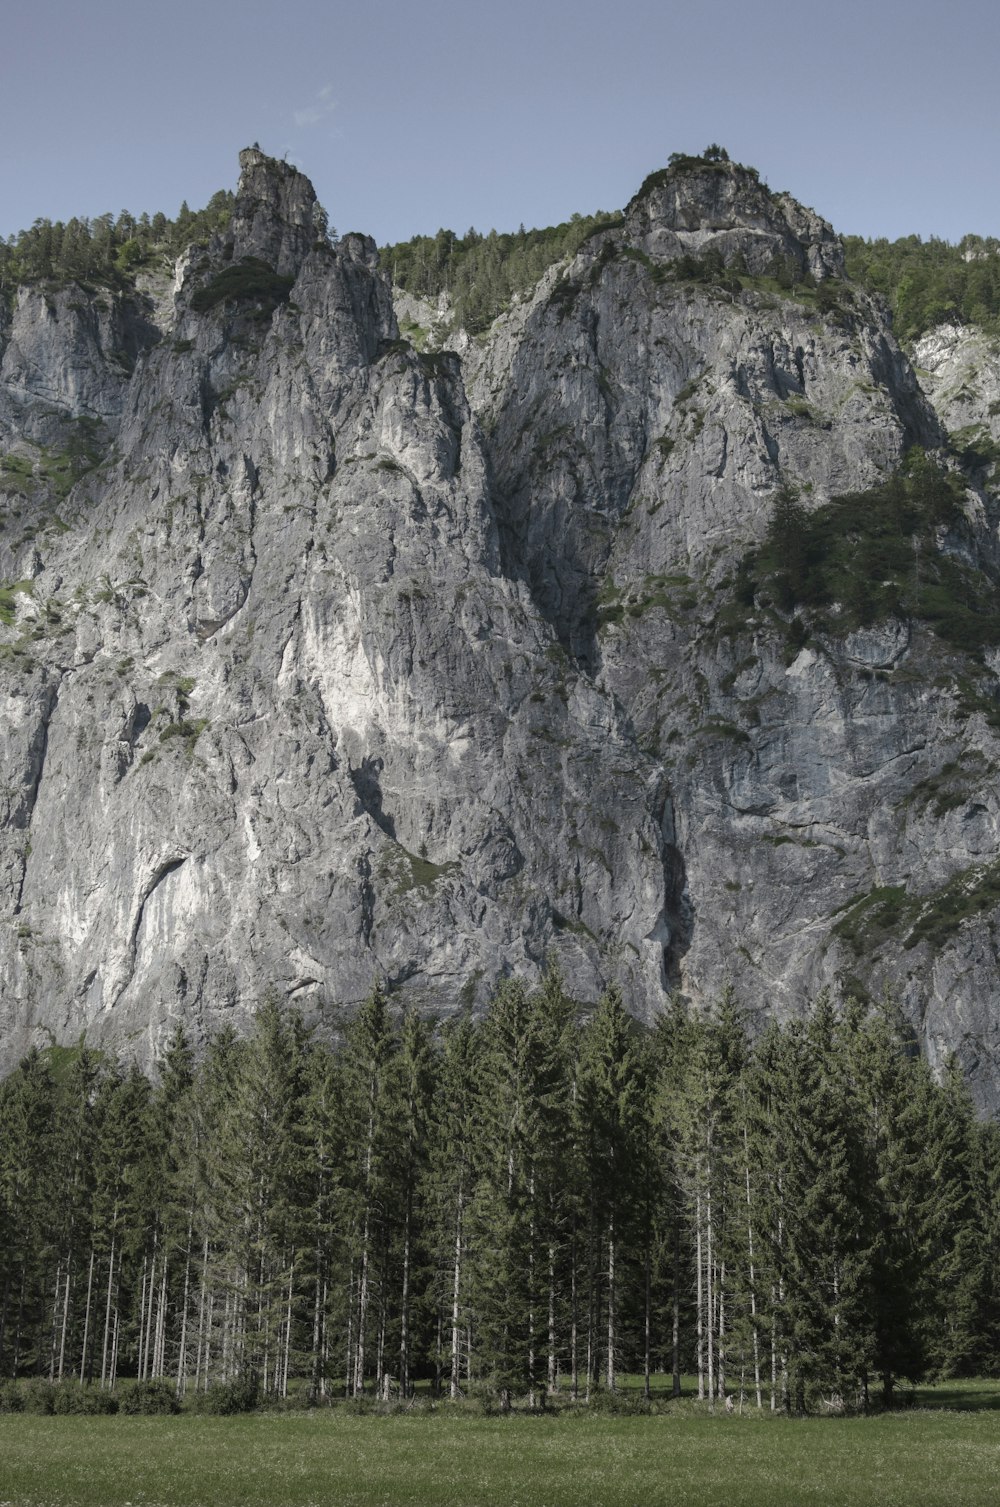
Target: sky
[881, 116]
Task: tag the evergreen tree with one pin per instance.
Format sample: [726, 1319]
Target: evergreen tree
[611, 1108]
[369, 1065]
[450, 1186]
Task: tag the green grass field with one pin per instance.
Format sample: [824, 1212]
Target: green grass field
[948, 1456]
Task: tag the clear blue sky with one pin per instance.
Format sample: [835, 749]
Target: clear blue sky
[412, 114]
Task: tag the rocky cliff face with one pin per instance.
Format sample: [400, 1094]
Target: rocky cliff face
[322, 658]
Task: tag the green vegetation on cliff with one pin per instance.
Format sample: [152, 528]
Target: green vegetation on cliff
[926, 283]
[105, 251]
[866, 556]
[481, 274]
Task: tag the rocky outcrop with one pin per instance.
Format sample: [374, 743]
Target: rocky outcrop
[330, 658]
[703, 207]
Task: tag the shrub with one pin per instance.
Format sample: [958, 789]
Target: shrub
[70, 1397]
[228, 1397]
[148, 1397]
[876, 555]
[247, 281]
[627, 1403]
[38, 1396]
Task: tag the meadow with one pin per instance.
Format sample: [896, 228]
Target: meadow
[927, 1456]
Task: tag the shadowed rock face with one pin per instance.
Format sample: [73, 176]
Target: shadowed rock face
[340, 660]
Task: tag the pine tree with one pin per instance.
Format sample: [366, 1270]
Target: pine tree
[368, 1065]
[27, 1156]
[450, 1187]
[521, 1102]
[611, 1110]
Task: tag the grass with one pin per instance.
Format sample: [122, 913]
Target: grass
[8, 605]
[920, 1458]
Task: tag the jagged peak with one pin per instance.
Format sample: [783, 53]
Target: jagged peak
[697, 204]
[276, 216]
[266, 177]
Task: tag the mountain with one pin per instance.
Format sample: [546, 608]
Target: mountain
[323, 656]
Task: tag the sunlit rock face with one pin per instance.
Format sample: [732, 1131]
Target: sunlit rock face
[341, 661]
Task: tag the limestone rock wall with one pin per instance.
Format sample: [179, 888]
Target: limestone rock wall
[322, 657]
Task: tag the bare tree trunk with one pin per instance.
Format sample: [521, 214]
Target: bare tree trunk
[349, 1376]
[53, 1346]
[647, 1315]
[612, 1299]
[438, 1352]
[774, 1358]
[208, 1338]
[107, 1317]
[531, 1297]
[140, 1361]
[228, 1337]
[404, 1305]
[182, 1353]
[317, 1331]
[573, 1338]
[591, 1359]
[288, 1329]
[699, 1300]
[86, 1318]
[359, 1354]
[753, 1280]
[326, 1342]
[160, 1340]
[722, 1331]
[201, 1318]
[456, 1288]
[551, 1380]
[65, 1317]
[381, 1378]
[710, 1284]
[675, 1337]
[114, 1340]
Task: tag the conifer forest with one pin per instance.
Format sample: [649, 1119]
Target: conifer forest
[516, 1208]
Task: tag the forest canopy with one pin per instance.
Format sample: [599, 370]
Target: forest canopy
[523, 1206]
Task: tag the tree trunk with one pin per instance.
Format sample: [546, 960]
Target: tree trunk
[288, 1330]
[675, 1336]
[182, 1352]
[456, 1281]
[710, 1295]
[753, 1281]
[612, 1299]
[699, 1301]
[551, 1380]
[647, 1315]
[86, 1318]
[404, 1305]
[107, 1317]
[573, 1338]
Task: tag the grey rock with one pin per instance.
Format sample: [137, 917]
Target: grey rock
[341, 659]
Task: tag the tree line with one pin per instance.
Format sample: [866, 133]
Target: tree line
[481, 274]
[107, 250]
[520, 1207]
[924, 283]
[927, 283]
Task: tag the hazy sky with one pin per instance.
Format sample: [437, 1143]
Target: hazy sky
[408, 116]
